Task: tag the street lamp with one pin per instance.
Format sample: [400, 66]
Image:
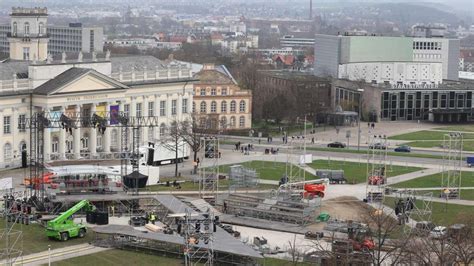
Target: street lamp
[358, 117]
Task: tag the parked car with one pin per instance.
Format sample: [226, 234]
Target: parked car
[403, 148]
[423, 228]
[378, 146]
[439, 232]
[336, 144]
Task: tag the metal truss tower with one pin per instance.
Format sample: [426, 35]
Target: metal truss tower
[12, 239]
[415, 205]
[209, 169]
[41, 121]
[452, 163]
[376, 168]
[199, 238]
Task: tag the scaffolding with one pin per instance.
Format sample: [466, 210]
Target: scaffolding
[300, 213]
[376, 168]
[241, 177]
[414, 205]
[199, 229]
[209, 170]
[11, 238]
[452, 163]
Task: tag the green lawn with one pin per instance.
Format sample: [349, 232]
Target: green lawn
[124, 257]
[269, 170]
[35, 240]
[189, 185]
[440, 214]
[466, 194]
[435, 181]
[433, 139]
[120, 257]
[426, 135]
[465, 128]
[357, 172]
[390, 153]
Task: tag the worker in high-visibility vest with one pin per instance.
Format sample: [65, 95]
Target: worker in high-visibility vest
[152, 218]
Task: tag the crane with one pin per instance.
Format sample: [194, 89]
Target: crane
[63, 227]
[310, 188]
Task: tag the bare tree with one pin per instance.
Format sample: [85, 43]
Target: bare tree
[175, 142]
[382, 229]
[294, 251]
[461, 238]
[191, 133]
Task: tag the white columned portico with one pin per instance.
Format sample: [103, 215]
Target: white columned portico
[107, 134]
[93, 136]
[62, 140]
[77, 135]
[47, 141]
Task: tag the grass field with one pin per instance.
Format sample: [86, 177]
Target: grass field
[35, 240]
[466, 194]
[440, 214]
[433, 139]
[357, 172]
[119, 257]
[435, 181]
[268, 170]
[390, 153]
[465, 128]
[127, 258]
[189, 185]
[426, 135]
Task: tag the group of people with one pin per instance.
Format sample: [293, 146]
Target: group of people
[245, 149]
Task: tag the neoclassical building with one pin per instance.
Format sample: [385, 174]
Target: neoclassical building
[219, 101]
[83, 84]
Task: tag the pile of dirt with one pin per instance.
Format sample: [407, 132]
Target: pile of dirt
[346, 208]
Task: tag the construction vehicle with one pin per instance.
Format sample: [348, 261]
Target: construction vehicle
[307, 189]
[360, 237]
[63, 227]
[377, 177]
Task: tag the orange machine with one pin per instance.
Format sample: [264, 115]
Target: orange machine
[46, 179]
[307, 189]
[314, 190]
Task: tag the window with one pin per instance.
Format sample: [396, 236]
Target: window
[151, 134]
[114, 138]
[184, 107]
[203, 92]
[27, 28]
[162, 108]
[139, 109]
[242, 106]
[194, 107]
[151, 108]
[6, 125]
[232, 122]
[203, 107]
[162, 129]
[15, 28]
[232, 106]
[99, 141]
[22, 123]
[55, 145]
[213, 91]
[40, 28]
[7, 152]
[242, 121]
[213, 107]
[224, 122]
[26, 53]
[126, 110]
[224, 91]
[223, 107]
[173, 106]
[85, 142]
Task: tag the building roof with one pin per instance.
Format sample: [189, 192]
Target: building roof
[137, 62]
[68, 76]
[8, 68]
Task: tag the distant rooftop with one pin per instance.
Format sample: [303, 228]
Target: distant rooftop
[26, 11]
